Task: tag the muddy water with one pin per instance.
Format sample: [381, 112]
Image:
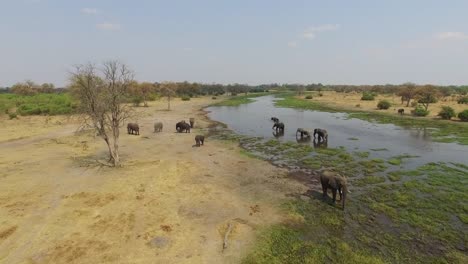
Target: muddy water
[354, 134]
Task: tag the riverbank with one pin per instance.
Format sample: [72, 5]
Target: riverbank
[442, 130]
[170, 202]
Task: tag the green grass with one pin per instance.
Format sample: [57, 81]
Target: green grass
[239, 99]
[39, 104]
[440, 130]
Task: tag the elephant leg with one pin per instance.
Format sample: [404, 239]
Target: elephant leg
[334, 195]
[341, 194]
[324, 189]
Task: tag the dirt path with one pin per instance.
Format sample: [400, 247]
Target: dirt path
[169, 203]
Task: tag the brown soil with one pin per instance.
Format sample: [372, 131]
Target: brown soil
[169, 203]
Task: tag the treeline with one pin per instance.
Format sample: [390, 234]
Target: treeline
[198, 89]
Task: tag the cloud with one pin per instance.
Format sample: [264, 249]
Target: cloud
[108, 26]
[313, 31]
[451, 35]
[292, 44]
[89, 11]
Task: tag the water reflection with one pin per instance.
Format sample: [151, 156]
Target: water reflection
[278, 133]
[320, 144]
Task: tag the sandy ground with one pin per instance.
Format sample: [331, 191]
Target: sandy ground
[350, 100]
[169, 203]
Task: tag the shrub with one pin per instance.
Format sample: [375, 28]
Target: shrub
[214, 98]
[447, 112]
[463, 115]
[308, 97]
[383, 104]
[12, 115]
[463, 100]
[414, 104]
[320, 94]
[233, 93]
[137, 100]
[366, 96]
[185, 98]
[420, 111]
[358, 105]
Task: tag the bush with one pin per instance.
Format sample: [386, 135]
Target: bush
[358, 105]
[447, 112]
[12, 115]
[366, 96]
[420, 111]
[383, 104]
[463, 100]
[185, 98]
[214, 98]
[414, 104]
[137, 100]
[320, 94]
[463, 115]
[308, 97]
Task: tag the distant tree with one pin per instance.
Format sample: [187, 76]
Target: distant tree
[47, 88]
[102, 100]
[146, 89]
[25, 88]
[168, 90]
[426, 95]
[407, 92]
[447, 112]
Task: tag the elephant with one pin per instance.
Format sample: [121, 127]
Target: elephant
[192, 122]
[158, 126]
[133, 128]
[274, 119]
[183, 126]
[303, 132]
[278, 126]
[401, 111]
[322, 134]
[334, 181]
[199, 139]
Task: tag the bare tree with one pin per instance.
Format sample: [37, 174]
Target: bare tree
[168, 90]
[102, 98]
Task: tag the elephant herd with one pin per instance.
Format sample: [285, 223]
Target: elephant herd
[328, 179]
[182, 126]
[302, 134]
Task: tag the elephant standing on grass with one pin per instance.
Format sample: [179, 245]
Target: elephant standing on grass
[335, 182]
[322, 134]
[158, 126]
[278, 126]
[133, 128]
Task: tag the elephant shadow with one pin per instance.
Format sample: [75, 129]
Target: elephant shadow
[278, 133]
[318, 195]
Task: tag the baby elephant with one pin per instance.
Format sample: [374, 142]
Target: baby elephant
[335, 182]
[199, 139]
[401, 111]
[158, 126]
[133, 128]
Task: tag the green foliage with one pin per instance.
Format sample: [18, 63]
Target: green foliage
[185, 98]
[420, 111]
[383, 104]
[38, 104]
[463, 100]
[308, 97]
[463, 115]
[367, 96]
[12, 115]
[137, 100]
[447, 112]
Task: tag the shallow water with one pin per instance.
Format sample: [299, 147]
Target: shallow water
[254, 120]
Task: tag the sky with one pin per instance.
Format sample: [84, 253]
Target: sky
[241, 41]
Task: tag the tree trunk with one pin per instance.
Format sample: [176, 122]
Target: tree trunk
[168, 103]
[407, 102]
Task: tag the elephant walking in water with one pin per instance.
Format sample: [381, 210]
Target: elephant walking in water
[335, 182]
[322, 134]
[274, 119]
[304, 133]
[133, 128]
[278, 126]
